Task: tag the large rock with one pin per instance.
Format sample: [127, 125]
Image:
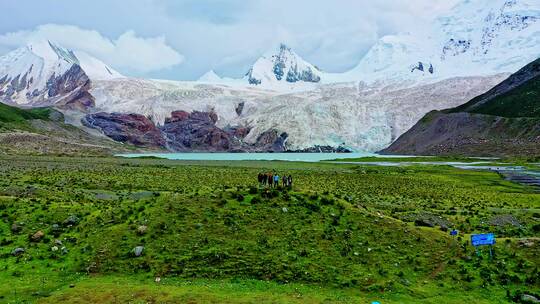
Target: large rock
[272, 141]
[134, 129]
[527, 298]
[38, 236]
[71, 220]
[137, 251]
[196, 131]
[17, 251]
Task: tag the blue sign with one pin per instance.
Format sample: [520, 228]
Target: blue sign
[483, 239]
[454, 232]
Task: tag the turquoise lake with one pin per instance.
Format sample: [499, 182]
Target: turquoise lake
[305, 157]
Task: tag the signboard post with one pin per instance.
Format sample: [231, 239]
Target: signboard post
[485, 239]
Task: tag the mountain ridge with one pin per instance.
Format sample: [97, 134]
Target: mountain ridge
[505, 121]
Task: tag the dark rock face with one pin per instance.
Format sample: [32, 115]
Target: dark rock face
[67, 91]
[183, 132]
[195, 132]
[191, 132]
[420, 66]
[135, 129]
[251, 79]
[71, 89]
[272, 141]
[240, 108]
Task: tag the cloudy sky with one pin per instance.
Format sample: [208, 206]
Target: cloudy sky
[182, 39]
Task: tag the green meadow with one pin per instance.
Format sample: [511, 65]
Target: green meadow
[111, 230]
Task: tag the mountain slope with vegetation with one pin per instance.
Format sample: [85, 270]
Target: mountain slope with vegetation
[41, 131]
[505, 121]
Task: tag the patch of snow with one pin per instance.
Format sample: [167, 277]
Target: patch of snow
[96, 69]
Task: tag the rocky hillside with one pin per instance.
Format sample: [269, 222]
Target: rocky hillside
[43, 131]
[505, 121]
[183, 132]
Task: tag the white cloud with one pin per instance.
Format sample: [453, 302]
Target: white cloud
[128, 52]
[225, 35]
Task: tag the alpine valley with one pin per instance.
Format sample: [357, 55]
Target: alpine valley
[283, 103]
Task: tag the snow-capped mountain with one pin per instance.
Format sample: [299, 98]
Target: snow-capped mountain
[476, 38]
[402, 77]
[45, 74]
[285, 66]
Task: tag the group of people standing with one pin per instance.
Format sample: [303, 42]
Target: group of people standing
[272, 180]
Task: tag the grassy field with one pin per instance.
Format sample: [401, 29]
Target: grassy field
[342, 234]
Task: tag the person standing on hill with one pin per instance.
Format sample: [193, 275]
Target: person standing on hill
[284, 181]
[276, 181]
[270, 179]
[289, 181]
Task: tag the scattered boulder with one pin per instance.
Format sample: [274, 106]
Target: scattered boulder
[38, 236]
[142, 229]
[17, 251]
[527, 298]
[54, 248]
[526, 243]
[137, 251]
[72, 220]
[57, 242]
